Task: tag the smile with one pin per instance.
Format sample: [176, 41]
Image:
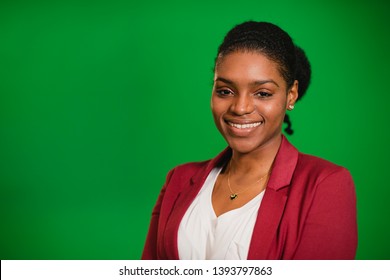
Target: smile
[244, 126]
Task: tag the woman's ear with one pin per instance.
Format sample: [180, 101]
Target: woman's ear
[292, 96]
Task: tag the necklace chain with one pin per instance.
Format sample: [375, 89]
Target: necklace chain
[234, 195]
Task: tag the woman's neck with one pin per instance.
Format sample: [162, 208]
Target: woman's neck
[257, 161]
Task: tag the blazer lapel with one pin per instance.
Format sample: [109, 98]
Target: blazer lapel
[272, 206]
[184, 200]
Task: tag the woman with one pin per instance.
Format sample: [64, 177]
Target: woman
[260, 198]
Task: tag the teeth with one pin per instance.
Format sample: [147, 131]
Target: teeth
[244, 126]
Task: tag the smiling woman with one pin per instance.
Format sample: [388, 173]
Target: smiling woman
[260, 198]
[249, 100]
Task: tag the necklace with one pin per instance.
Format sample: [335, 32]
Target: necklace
[234, 195]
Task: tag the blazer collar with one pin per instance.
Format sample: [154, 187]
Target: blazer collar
[283, 167]
[273, 203]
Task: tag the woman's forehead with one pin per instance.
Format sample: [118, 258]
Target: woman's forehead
[252, 67]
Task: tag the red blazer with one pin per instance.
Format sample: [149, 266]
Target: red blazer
[308, 210]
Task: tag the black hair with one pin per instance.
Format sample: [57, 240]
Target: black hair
[278, 46]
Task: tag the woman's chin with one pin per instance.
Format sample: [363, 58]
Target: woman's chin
[245, 145]
[242, 147]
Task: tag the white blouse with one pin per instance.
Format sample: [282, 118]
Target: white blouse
[204, 236]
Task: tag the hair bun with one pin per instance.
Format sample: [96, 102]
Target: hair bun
[303, 71]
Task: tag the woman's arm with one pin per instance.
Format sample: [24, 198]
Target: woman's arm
[150, 248]
[330, 230]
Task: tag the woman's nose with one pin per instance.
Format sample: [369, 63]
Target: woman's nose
[242, 105]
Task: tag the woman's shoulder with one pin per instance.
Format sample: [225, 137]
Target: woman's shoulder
[191, 167]
[204, 166]
[320, 167]
[292, 161]
[311, 160]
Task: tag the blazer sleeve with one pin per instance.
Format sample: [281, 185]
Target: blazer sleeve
[150, 248]
[330, 230]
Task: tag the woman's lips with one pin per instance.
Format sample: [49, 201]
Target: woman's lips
[242, 128]
[244, 125]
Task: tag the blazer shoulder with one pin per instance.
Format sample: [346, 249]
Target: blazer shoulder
[190, 167]
[320, 167]
[200, 168]
[186, 171]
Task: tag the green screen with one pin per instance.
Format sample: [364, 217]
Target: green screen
[98, 101]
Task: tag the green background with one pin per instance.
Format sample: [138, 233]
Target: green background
[98, 101]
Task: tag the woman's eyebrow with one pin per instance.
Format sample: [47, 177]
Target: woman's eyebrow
[262, 82]
[226, 81]
[254, 83]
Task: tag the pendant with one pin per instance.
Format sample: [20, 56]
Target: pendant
[233, 196]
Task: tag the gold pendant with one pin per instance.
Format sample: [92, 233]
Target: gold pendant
[233, 196]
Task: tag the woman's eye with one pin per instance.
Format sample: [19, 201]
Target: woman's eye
[224, 92]
[263, 94]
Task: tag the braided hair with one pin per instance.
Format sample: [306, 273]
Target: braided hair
[277, 45]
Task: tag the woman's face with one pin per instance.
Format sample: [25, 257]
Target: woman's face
[249, 100]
